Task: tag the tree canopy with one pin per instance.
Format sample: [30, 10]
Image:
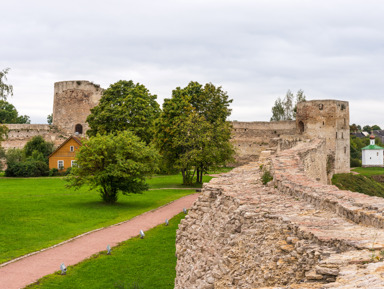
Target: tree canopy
[114, 163]
[285, 109]
[192, 133]
[37, 145]
[9, 114]
[5, 89]
[125, 106]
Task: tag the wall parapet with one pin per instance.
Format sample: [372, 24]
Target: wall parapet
[294, 175]
[295, 232]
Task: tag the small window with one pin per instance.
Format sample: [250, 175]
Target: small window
[336, 134]
[73, 163]
[60, 165]
[72, 148]
[377, 154]
[345, 150]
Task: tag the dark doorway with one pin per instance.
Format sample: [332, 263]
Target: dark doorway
[301, 127]
[79, 129]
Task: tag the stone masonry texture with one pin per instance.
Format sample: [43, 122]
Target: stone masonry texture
[294, 232]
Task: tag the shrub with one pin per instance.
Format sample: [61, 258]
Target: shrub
[53, 172]
[355, 163]
[266, 178]
[67, 172]
[27, 169]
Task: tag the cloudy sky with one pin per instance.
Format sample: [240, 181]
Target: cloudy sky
[255, 49]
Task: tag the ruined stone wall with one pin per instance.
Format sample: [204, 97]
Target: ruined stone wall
[73, 101]
[20, 134]
[294, 232]
[251, 138]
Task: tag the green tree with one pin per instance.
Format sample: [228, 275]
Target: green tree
[353, 128]
[5, 89]
[14, 155]
[125, 105]
[192, 133]
[375, 127]
[50, 119]
[114, 163]
[286, 109]
[9, 114]
[367, 128]
[38, 144]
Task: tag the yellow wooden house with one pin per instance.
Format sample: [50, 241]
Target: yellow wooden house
[64, 156]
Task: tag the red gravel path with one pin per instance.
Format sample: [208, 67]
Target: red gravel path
[27, 270]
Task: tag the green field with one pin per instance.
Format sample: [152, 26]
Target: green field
[136, 263]
[36, 213]
[369, 171]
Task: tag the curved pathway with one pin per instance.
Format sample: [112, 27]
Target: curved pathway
[26, 270]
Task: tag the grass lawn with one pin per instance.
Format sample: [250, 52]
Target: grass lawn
[36, 213]
[369, 171]
[146, 263]
[172, 181]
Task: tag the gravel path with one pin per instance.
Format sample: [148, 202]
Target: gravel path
[26, 270]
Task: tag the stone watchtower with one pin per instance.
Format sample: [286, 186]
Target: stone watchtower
[72, 103]
[327, 119]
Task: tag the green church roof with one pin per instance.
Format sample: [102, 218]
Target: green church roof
[372, 147]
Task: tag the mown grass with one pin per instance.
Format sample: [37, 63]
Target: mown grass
[36, 213]
[172, 181]
[369, 171]
[147, 263]
[364, 184]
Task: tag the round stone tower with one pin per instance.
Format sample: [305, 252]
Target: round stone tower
[72, 103]
[327, 119]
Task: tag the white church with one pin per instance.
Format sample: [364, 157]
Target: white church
[372, 155]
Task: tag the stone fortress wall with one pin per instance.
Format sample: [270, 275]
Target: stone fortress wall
[294, 232]
[73, 101]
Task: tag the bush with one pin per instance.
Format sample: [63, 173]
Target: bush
[266, 178]
[53, 172]
[67, 172]
[355, 163]
[27, 169]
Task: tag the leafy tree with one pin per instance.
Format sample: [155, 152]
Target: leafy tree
[367, 128]
[50, 119]
[375, 127]
[38, 144]
[125, 105]
[9, 114]
[286, 109]
[192, 133]
[114, 163]
[14, 155]
[5, 89]
[353, 128]
[3, 132]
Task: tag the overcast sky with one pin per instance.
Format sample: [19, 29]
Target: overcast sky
[256, 50]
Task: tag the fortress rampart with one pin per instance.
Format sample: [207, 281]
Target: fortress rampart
[295, 232]
[20, 134]
[251, 138]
